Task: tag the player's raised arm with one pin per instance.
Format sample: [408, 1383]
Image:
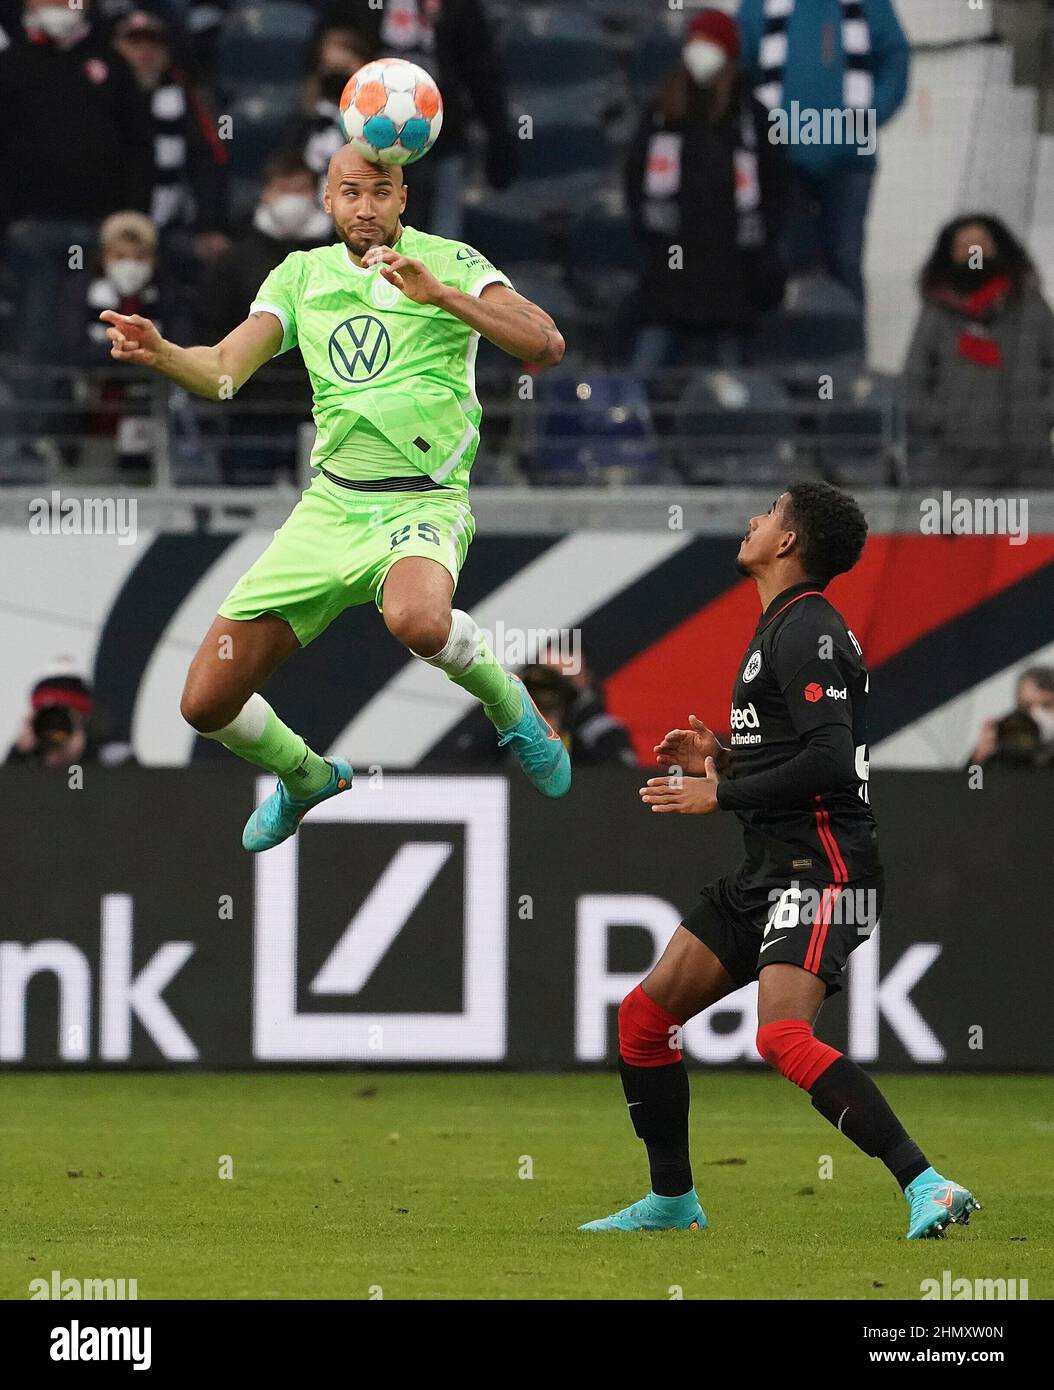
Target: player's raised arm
[213, 372]
[510, 321]
[507, 319]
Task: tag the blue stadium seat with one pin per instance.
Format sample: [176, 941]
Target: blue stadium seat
[565, 149]
[626, 12]
[603, 240]
[264, 43]
[546, 288]
[736, 427]
[821, 324]
[559, 47]
[259, 122]
[653, 56]
[592, 103]
[505, 227]
[593, 427]
[854, 432]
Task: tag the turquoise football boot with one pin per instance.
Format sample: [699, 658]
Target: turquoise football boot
[275, 819]
[653, 1213]
[937, 1203]
[539, 748]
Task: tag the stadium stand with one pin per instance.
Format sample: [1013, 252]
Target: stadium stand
[968, 136]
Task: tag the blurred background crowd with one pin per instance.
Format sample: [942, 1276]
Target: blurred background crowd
[614, 158]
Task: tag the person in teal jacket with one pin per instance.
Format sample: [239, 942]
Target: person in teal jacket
[831, 72]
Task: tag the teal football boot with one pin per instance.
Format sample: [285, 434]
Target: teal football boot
[539, 748]
[275, 819]
[654, 1213]
[936, 1203]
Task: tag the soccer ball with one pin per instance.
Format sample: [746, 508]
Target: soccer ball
[391, 111]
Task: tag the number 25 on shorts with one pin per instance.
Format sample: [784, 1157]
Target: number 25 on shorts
[426, 530]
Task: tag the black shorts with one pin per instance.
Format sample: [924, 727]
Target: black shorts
[814, 925]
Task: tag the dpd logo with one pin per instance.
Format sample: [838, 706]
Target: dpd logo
[359, 349]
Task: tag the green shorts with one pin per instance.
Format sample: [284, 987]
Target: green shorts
[336, 547]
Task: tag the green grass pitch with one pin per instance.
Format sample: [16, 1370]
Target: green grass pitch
[470, 1186]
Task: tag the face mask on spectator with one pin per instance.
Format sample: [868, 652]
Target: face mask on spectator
[58, 22]
[704, 60]
[965, 277]
[129, 276]
[291, 216]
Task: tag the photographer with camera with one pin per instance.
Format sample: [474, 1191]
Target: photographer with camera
[1025, 736]
[60, 729]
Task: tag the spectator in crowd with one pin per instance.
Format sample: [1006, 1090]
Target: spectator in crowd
[979, 379]
[288, 218]
[317, 133]
[187, 203]
[1025, 736]
[75, 145]
[596, 735]
[703, 177]
[808, 58]
[127, 278]
[452, 40]
[61, 729]
[128, 282]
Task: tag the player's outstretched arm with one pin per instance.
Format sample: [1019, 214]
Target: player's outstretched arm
[213, 372]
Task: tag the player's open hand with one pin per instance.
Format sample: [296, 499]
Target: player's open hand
[132, 338]
[683, 796]
[688, 749]
[412, 277]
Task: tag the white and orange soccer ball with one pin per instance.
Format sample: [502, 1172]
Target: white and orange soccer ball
[391, 111]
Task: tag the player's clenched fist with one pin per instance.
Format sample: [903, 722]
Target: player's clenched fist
[411, 276]
[132, 338]
[689, 749]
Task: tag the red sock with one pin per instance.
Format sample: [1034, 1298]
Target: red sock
[647, 1034]
[790, 1047]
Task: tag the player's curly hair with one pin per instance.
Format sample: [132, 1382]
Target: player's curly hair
[831, 529]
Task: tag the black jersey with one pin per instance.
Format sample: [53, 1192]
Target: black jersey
[802, 673]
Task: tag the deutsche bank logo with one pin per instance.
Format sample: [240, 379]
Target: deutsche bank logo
[283, 1033]
[359, 349]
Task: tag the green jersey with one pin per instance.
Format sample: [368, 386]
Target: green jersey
[394, 377]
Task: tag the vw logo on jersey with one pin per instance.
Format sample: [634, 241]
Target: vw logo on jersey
[359, 349]
[752, 667]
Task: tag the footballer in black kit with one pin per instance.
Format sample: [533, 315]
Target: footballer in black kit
[809, 890]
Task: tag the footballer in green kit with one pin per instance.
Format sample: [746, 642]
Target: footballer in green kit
[388, 321]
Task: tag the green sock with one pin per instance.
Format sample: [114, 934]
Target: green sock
[493, 688]
[281, 751]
